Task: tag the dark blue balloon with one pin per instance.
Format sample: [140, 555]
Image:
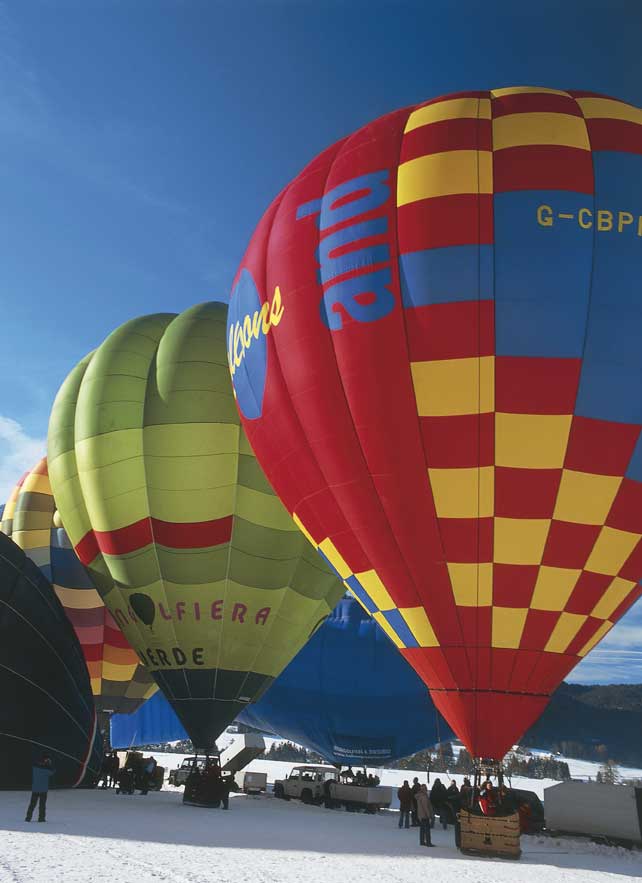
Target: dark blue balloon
[348, 694]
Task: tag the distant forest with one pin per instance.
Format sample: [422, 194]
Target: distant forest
[597, 723]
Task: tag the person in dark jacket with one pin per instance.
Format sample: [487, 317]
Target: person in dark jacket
[416, 788]
[425, 814]
[466, 793]
[438, 795]
[405, 804]
[41, 773]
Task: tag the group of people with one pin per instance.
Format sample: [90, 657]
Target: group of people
[415, 803]
[109, 770]
[361, 777]
[138, 772]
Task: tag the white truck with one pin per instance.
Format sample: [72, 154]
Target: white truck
[317, 784]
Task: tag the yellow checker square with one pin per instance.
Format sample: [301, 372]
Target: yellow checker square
[445, 174]
[597, 637]
[525, 129]
[531, 441]
[334, 557]
[419, 624]
[554, 587]
[609, 109]
[618, 591]
[451, 387]
[508, 625]
[611, 550]
[472, 584]
[375, 589]
[524, 90]
[567, 626]
[585, 498]
[520, 540]
[388, 629]
[463, 493]
[453, 109]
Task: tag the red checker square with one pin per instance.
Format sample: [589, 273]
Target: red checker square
[550, 671]
[615, 135]
[632, 567]
[462, 329]
[626, 511]
[587, 592]
[475, 625]
[621, 609]
[585, 634]
[513, 584]
[502, 663]
[538, 628]
[527, 385]
[445, 135]
[525, 662]
[600, 447]
[462, 219]
[467, 540]
[543, 167]
[534, 102]
[526, 493]
[465, 440]
[480, 661]
[568, 544]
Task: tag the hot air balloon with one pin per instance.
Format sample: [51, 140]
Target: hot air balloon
[199, 563]
[347, 694]
[118, 680]
[434, 344]
[46, 701]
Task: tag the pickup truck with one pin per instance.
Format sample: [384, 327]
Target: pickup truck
[317, 784]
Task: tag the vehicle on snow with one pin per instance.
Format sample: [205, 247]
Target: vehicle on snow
[318, 783]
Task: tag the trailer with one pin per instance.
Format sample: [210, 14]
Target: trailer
[606, 813]
[250, 782]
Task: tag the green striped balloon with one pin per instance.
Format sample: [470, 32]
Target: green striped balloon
[203, 569]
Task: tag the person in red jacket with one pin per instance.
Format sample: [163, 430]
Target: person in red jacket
[405, 796]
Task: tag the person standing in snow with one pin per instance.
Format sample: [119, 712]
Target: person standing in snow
[425, 814]
[416, 788]
[405, 804]
[41, 772]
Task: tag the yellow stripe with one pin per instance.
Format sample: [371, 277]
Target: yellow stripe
[554, 587]
[463, 492]
[597, 637]
[508, 625]
[445, 174]
[617, 592]
[453, 109]
[472, 584]
[37, 483]
[78, 599]
[375, 589]
[32, 539]
[608, 109]
[448, 387]
[568, 625]
[524, 129]
[419, 624]
[525, 90]
[385, 625]
[334, 557]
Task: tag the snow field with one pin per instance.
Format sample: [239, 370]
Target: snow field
[100, 837]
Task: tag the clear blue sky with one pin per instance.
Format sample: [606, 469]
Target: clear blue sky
[141, 140]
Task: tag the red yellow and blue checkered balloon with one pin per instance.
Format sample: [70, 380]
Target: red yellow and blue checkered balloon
[434, 338]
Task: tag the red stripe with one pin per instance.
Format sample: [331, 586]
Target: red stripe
[615, 135]
[195, 535]
[543, 167]
[534, 102]
[463, 219]
[444, 135]
[456, 330]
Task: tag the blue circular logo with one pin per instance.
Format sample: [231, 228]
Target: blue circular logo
[248, 323]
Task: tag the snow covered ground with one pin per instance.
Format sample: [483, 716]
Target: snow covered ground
[100, 837]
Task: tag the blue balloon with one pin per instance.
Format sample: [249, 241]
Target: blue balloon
[348, 694]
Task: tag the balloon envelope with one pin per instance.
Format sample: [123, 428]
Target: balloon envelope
[434, 343]
[47, 705]
[118, 681]
[162, 497]
[347, 695]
